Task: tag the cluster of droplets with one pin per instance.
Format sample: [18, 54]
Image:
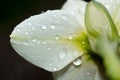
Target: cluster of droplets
[63, 55]
[42, 27]
[18, 30]
[65, 18]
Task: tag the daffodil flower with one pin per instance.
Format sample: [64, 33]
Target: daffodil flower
[57, 40]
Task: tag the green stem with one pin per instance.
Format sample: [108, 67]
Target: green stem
[108, 51]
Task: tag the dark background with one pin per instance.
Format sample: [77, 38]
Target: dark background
[12, 12]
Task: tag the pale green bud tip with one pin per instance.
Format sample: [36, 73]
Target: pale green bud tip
[99, 23]
[103, 37]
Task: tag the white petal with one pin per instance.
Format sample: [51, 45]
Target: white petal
[44, 39]
[76, 8]
[86, 71]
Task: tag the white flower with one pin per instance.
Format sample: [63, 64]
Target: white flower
[56, 41]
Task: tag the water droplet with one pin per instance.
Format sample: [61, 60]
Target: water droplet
[52, 26]
[24, 43]
[43, 27]
[55, 15]
[55, 69]
[56, 38]
[13, 41]
[70, 37]
[38, 42]
[77, 62]
[44, 43]
[88, 73]
[18, 30]
[49, 48]
[29, 24]
[26, 33]
[61, 55]
[34, 40]
[50, 64]
[64, 18]
[73, 13]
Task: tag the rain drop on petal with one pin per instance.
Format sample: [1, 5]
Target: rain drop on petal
[61, 55]
[43, 27]
[55, 69]
[34, 40]
[70, 37]
[56, 38]
[52, 26]
[77, 62]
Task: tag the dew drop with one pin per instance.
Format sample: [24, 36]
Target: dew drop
[55, 15]
[70, 37]
[64, 18]
[52, 26]
[29, 24]
[38, 42]
[88, 73]
[73, 13]
[77, 62]
[18, 30]
[44, 43]
[26, 33]
[55, 69]
[56, 38]
[61, 55]
[34, 40]
[50, 64]
[43, 27]
[24, 43]
[13, 41]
